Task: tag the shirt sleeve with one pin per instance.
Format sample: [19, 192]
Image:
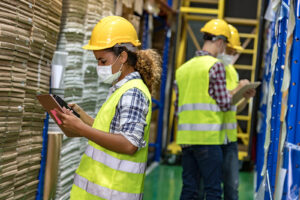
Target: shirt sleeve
[133, 109]
[217, 86]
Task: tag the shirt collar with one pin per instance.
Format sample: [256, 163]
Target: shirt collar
[202, 53]
[132, 75]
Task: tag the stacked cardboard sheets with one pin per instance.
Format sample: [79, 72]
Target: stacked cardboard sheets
[91, 97]
[80, 78]
[28, 35]
[68, 163]
[71, 40]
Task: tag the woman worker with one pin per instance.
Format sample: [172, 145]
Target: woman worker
[113, 165]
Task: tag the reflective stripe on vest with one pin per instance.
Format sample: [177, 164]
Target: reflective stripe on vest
[199, 118]
[202, 106]
[106, 174]
[114, 163]
[206, 127]
[103, 192]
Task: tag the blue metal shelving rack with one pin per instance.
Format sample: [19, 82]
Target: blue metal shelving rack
[159, 104]
[291, 154]
[293, 118]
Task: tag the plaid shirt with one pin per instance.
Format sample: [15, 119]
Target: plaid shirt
[131, 112]
[217, 85]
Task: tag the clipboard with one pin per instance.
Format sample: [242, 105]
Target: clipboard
[50, 102]
[239, 94]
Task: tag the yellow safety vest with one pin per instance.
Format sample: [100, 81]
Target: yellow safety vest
[200, 118]
[104, 174]
[230, 116]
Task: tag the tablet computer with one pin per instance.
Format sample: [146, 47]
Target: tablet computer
[50, 102]
[239, 94]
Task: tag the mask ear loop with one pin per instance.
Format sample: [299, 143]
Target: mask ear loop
[115, 62]
[121, 67]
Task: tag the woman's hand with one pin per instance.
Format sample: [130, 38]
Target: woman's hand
[76, 108]
[72, 126]
[83, 115]
[70, 123]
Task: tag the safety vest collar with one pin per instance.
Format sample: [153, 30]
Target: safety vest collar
[104, 192]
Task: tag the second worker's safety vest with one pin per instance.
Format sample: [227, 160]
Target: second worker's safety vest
[105, 174]
[200, 118]
[230, 116]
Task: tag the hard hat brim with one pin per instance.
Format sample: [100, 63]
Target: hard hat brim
[91, 47]
[238, 48]
[94, 47]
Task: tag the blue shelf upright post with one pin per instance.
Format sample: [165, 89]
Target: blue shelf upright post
[40, 191]
[159, 104]
[162, 95]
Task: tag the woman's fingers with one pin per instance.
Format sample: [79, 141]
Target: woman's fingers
[75, 107]
[66, 111]
[60, 114]
[71, 105]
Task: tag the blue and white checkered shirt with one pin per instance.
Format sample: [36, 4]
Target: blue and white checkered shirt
[131, 112]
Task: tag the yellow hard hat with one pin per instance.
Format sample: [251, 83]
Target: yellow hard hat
[234, 40]
[110, 31]
[216, 27]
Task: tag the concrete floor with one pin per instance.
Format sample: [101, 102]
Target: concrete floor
[164, 183]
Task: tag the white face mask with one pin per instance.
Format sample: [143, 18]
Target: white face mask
[105, 73]
[225, 59]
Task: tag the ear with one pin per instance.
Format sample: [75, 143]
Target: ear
[217, 43]
[223, 44]
[123, 57]
[220, 42]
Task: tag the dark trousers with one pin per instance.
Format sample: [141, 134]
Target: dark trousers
[230, 171]
[201, 161]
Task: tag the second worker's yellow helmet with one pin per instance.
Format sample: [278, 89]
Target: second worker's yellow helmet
[216, 27]
[234, 41]
[110, 31]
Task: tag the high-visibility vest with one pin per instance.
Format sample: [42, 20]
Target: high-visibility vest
[200, 118]
[104, 174]
[230, 116]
